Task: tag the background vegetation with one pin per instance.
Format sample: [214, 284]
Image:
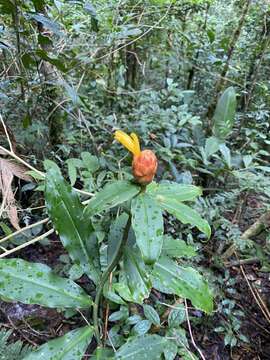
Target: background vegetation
[72, 72]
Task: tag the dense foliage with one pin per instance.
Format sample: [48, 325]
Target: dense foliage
[159, 270]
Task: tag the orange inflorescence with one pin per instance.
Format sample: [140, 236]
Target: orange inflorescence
[144, 165]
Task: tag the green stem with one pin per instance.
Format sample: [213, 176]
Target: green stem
[116, 258]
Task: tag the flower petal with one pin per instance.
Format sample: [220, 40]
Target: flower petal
[136, 142]
[125, 140]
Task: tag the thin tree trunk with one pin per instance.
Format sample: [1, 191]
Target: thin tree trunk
[222, 79]
[16, 23]
[255, 66]
[191, 72]
[131, 66]
[55, 121]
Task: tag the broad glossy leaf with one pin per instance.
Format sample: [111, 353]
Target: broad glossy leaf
[185, 214]
[71, 346]
[73, 225]
[179, 192]
[170, 350]
[151, 314]
[177, 248]
[226, 153]
[141, 328]
[113, 194]
[177, 316]
[211, 146]
[147, 223]
[34, 283]
[170, 278]
[225, 113]
[136, 275]
[148, 347]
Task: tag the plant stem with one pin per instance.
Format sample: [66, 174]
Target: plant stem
[116, 258]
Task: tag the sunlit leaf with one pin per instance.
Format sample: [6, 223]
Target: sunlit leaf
[73, 225]
[147, 223]
[113, 194]
[34, 283]
[225, 114]
[147, 347]
[71, 346]
[170, 278]
[185, 214]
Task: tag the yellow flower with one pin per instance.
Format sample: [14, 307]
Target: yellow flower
[130, 142]
[144, 164]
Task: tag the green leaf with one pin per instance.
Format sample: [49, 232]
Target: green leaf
[90, 161]
[116, 234]
[185, 214]
[103, 354]
[175, 191]
[71, 346]
[147, 223]
[108, 293]
[177, 248]
[225, 113]
[73, 225]
[177, 316]
[148, 347]
[141, 327]
[33, 283]
[151, 314]
[122, 314]
[187, 355]
[57, 62]
[178, 336]
[72, 172]
[211, 146]
[211, 35]
[170, 350]
[170, 278]
[113, 194]
[136, 275]
[226, 153]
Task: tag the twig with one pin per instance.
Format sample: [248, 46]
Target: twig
[21, 332]
[30, 242]
[22, 161]
[84, 318]
[190, 333]
[260, 302]
[107, 309]
[244, 262]
[7, 134]
[24, 229]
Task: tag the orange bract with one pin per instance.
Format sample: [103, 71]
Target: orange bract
[144, 167]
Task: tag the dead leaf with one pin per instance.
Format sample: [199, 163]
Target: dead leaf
[9, 169]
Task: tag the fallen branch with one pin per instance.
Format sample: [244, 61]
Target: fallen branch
[261, 224]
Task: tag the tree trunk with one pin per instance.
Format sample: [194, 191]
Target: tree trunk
[191, 72]
[222, 78]
[131, 66]
[255, 66]
[55, 119]
[16, 24]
